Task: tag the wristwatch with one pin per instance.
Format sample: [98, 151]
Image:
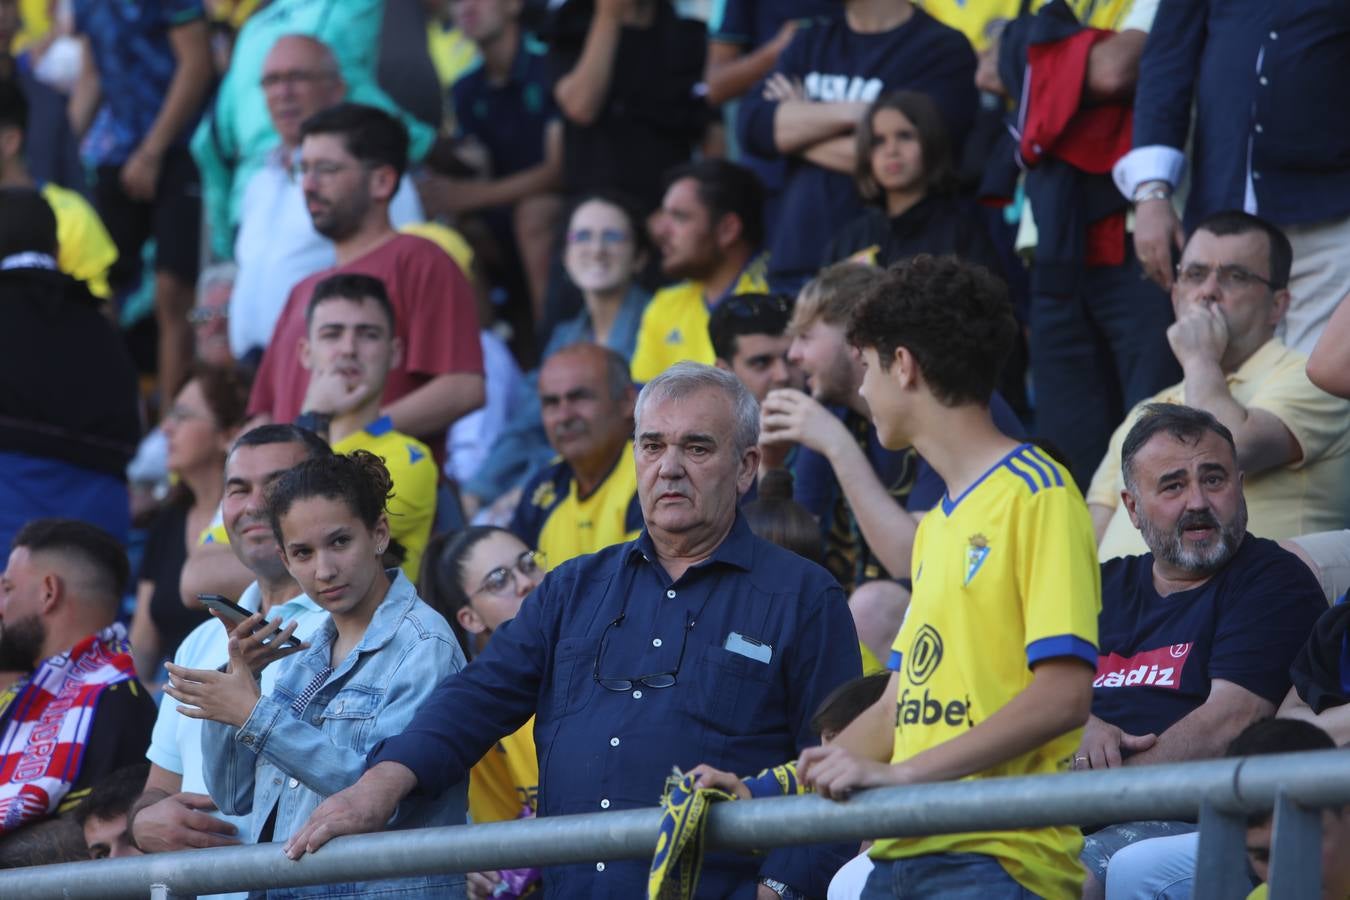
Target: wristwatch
[787, 892]
[1151, 190]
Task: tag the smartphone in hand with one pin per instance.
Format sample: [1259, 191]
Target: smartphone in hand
[233, 613]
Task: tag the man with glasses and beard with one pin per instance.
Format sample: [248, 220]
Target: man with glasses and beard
[1195, 636]
[1230, 295]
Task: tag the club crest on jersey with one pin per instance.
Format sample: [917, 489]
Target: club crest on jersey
[545, 496]
[675, 336]
[976, 554]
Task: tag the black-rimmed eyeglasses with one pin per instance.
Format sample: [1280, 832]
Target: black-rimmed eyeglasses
[654, 680]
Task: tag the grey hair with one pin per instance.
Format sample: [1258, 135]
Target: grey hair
[328, 61]
[1184, 423]
[214, 274]
[685, 378]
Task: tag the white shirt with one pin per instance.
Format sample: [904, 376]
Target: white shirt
[472, 437]
[176, 743]
[277, 247]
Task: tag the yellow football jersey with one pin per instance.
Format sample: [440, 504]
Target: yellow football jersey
[554, 518]
[675, 324]
[506, 780]
[412, 469]
[1005, 576]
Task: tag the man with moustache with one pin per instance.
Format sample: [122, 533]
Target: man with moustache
[587, 499]
[1197, 635]
[697, 642]
[1230, 294]
[351, 160]
[175, 812]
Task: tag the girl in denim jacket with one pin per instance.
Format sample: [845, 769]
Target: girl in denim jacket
[383, 650]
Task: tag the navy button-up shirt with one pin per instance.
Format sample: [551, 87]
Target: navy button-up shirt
[606, 750]
[1269, 82]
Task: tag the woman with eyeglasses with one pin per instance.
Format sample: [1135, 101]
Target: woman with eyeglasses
[275, 758]
[477, 578]
[906, 173]
[204, 419]
[606, 250]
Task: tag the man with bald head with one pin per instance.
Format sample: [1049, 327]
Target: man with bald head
[277, 245]
[586, 499]
[78, 712]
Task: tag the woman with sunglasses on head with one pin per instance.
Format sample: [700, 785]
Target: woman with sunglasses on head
[905, 171]
[276, 758]
[477, 578]
[606, 250]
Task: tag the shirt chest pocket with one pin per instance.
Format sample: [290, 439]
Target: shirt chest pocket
[730, 693]
[568, 688]
[350, 715]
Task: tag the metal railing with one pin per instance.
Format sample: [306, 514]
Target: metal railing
[1220, 792]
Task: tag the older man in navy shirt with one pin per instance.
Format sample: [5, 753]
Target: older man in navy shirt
[697, 641]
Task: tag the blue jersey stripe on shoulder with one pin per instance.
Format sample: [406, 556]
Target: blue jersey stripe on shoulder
[893, 661]
[1048, 463]
[1061, 645]
[1031, 482]
[1035, 466]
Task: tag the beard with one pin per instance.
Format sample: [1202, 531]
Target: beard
[1170, 545]
[21, 644]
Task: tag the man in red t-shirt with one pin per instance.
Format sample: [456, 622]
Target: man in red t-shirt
[351, 160]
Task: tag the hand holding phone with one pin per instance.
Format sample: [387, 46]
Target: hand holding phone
[261, 641]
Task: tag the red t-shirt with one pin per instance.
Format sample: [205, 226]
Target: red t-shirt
[435, 317]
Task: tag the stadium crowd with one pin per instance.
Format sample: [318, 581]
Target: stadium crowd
[914, 391]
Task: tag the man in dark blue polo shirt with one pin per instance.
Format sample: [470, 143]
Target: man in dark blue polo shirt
[1267, 84]
[1195, 636]
[696, 642]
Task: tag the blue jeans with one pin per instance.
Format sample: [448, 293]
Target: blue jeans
[951, 876]
[1095, 355]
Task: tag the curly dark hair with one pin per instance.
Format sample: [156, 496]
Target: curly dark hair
[358, 479]
[952, 316]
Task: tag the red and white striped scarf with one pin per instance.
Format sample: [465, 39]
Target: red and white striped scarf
[45, 720]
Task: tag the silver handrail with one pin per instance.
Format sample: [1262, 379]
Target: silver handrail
[1227, 790]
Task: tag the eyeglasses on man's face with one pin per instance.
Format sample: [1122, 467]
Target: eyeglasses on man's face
[1230, 278]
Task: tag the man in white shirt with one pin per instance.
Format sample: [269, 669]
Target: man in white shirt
[277, 245]
[175, 812]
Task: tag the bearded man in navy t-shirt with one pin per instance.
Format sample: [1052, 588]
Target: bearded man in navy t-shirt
[1197, 635]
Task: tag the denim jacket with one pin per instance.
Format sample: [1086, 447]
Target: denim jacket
[283, 764]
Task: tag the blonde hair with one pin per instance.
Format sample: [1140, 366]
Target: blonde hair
[832, 295]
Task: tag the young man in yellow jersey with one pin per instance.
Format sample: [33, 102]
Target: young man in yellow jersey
[348, 349]
[992, 669]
